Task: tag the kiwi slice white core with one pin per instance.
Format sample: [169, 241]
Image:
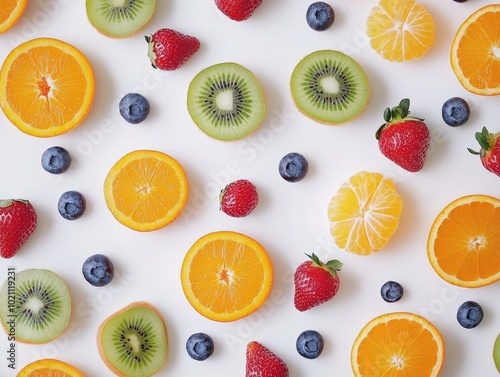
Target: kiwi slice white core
[226, 101]
[133, 341]
[119, 18]
[38, 302]
[330, 87]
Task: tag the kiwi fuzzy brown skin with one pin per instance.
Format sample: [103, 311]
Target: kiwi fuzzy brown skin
[20, 339]
[109, 35]
[100, 348]
[322, 121]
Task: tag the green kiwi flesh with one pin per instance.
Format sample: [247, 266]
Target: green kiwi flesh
[120, 18]
[330, 87]
[226, 101]
[133, 341]
[36, 305]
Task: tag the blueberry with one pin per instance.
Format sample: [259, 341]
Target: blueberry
[56, 160]
[391, 291]
[320, 16]
[200, 346]
[455, 112]
[469, 314]
[134, 108]
[71, 205]
[310, 344]
[293, 167]
[98, 270]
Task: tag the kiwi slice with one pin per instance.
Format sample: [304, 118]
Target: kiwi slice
[36, 305]
[330, 87]
[226, 101]
[119, 18]
[133, 341]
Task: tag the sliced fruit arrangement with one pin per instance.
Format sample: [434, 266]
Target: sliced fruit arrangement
[330, 87]
[11, 12]
[169, 49]
[226, 101]
[46, 87]
[41, 308]
[49, 368]
[364, 213]
[133, 342]
[404, 139]
[119, 18]
[463, 241]
[400, 30]
[475, 52]
[226, 275]
[489, 153]
[398, 344]
[238, 10]
[262, 362]
[238, 198]
[315, 282]
[18, 221]
[146, 190]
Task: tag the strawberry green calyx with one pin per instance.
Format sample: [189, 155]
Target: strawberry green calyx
[397, 114]
[486, 141]
[151, 53]
[4, 203]
[332, 266]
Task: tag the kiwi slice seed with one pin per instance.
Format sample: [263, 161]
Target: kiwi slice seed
[120, 18]
[330, 87]
[133, 341]
[226, 101]
[36, 306]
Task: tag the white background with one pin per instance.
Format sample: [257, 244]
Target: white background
[290, 219]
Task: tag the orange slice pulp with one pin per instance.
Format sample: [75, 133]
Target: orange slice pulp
[46, 87]
[226, 276]
[10, 12]
[146, 190]
[49, 368]
[398, 345]
[463, 245]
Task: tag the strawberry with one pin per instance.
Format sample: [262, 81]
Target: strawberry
[404, 139]
[490, 150]
[169, 50]
[315, 282]
[238, 10]
[261, 362]
[17, 223]
[238, 198]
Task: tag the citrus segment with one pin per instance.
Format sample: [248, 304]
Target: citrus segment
[400, 30]
[398, 345]
[463, 245]
[49, 368]
[10, 12]
[364, 213]
[46, 87]
[475, 51]
[146, 190]
[226, 275]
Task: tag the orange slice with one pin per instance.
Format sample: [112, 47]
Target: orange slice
[463, 245]
[398, 345]
[226, 276]
[49, 368]
[400, 30]
[475, 52]
[364, 213]
[46, 87]
[10, 12]
[146, 190]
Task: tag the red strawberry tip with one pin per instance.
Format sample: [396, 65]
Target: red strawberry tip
[396, 114]
[332, 266]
